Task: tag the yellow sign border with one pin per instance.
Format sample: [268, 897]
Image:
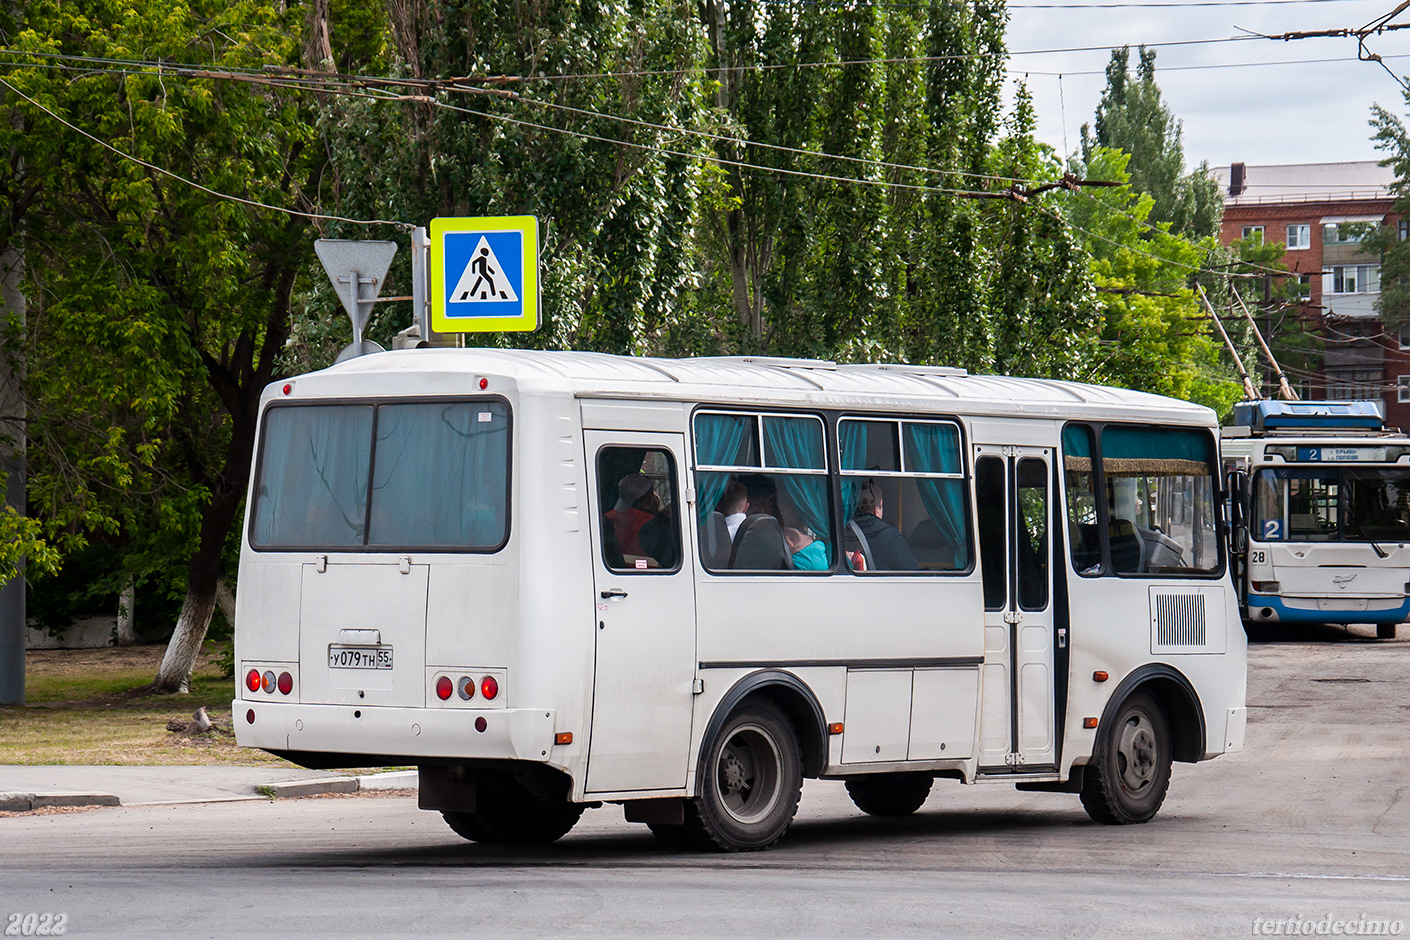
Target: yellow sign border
[527, 321]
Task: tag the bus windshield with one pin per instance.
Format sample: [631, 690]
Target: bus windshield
[1332, 504]
[427, 475]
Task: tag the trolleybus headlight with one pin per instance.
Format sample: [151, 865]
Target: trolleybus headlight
[286, 683]
[466, 687]
[489, 687]
[267, 681]
[444, 687]
[252, 680]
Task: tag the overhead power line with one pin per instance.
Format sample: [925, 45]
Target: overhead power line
[206, 189]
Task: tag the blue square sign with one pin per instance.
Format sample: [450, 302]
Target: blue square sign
[484, 274]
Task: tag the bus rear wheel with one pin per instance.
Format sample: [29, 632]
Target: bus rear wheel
[890, 794]
[1126, 780]
[751, 782]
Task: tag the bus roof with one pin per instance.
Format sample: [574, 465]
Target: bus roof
[811, 382]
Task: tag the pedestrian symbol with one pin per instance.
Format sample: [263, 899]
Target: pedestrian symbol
[484, 274]
[484, 279]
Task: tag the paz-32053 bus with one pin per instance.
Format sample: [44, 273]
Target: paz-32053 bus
[551, 580]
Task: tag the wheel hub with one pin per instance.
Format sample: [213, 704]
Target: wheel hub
[732, 772]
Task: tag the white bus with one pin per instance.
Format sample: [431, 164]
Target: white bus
[552, 580]
[1321, 504]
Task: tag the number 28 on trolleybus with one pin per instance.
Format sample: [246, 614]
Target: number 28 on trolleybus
[555, 580]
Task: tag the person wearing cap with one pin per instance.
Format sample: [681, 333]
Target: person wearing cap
[637, 520]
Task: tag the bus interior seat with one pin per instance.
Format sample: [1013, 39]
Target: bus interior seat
[931, 548]
[1126, 549]
[1159, 550]
[715, 544]
[759, 545]
[1087, 546]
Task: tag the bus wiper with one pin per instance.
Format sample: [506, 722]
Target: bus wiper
[1380, 552]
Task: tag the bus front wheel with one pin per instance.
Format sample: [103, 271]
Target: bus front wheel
[1126, 780]
[751, 782]
[890, 794]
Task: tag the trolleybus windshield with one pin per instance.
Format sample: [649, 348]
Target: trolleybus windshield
[1332, 504]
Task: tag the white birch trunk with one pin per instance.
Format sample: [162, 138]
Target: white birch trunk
[126, 600]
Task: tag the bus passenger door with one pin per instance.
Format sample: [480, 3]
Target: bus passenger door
[644, 613]
[1017, 721]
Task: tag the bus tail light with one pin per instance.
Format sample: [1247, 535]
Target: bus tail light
[489, 687]
[267, 681]
[444, 688]
[466, 688]
[252, 680]
[1265, 587]
[286, 683]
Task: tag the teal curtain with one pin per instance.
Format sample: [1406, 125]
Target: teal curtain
[797, 443]
[441, 475]
[718, 440]
[312, 487]
[935, 448]
[1152, 444]
[852, 442]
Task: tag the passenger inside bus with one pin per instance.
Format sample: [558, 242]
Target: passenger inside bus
[881, 544]
[805, 552]
[640, 525]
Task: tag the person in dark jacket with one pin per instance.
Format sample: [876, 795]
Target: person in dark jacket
[887, 548]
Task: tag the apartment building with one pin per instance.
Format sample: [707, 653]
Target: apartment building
[1323, 213]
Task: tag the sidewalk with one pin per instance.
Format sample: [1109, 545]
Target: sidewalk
[24, 788]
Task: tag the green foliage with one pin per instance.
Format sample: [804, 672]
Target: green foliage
[156, 309]
[1133, 117]
[1392, 139]
[1154, 335]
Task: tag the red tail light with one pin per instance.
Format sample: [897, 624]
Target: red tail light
[286, 683]
[252, 680]
[489, 687]
[444, 688]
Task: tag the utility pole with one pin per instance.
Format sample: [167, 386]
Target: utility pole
[12, 461]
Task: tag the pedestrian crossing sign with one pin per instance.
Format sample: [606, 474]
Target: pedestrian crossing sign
[485, 274]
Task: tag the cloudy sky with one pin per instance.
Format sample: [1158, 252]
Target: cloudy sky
[1254, 100]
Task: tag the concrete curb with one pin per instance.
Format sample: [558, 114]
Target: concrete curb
[27, 802]
[366, 783]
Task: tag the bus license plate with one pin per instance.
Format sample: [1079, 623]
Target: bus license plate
[359, 657]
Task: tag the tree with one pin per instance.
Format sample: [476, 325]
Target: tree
[1154, 336]
[1133, 117]
[158, 308]
[1391, 138]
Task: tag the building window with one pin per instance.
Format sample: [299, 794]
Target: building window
[1402, 388]
[1405, 336]
[1353, 384]
[1304, 285]
[1299, 236]
[1354, 279]
[1253, 231]
[1404, 229]
[1346, 233]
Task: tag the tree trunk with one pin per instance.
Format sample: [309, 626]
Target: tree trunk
[126, 600]
[225, 600]
[12, 460]
[185, 645]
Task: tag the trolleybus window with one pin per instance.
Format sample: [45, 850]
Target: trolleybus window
[762, 492]
[903, 495]
[440, 477]
[640, 530]
[1332, 504]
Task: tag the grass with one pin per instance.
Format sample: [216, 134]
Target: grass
[84, 707]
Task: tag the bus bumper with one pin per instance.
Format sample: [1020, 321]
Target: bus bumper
[509, 733]
[1264, 608]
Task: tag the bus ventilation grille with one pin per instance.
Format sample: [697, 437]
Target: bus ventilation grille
[1179, 620]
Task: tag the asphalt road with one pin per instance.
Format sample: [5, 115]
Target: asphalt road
[1311, 822]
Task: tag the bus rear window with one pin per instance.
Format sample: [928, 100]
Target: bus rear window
[439, 477]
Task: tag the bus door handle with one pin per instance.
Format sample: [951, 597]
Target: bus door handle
[614, 592]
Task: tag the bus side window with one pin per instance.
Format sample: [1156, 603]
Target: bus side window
[640, 524]
[1080, 484]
